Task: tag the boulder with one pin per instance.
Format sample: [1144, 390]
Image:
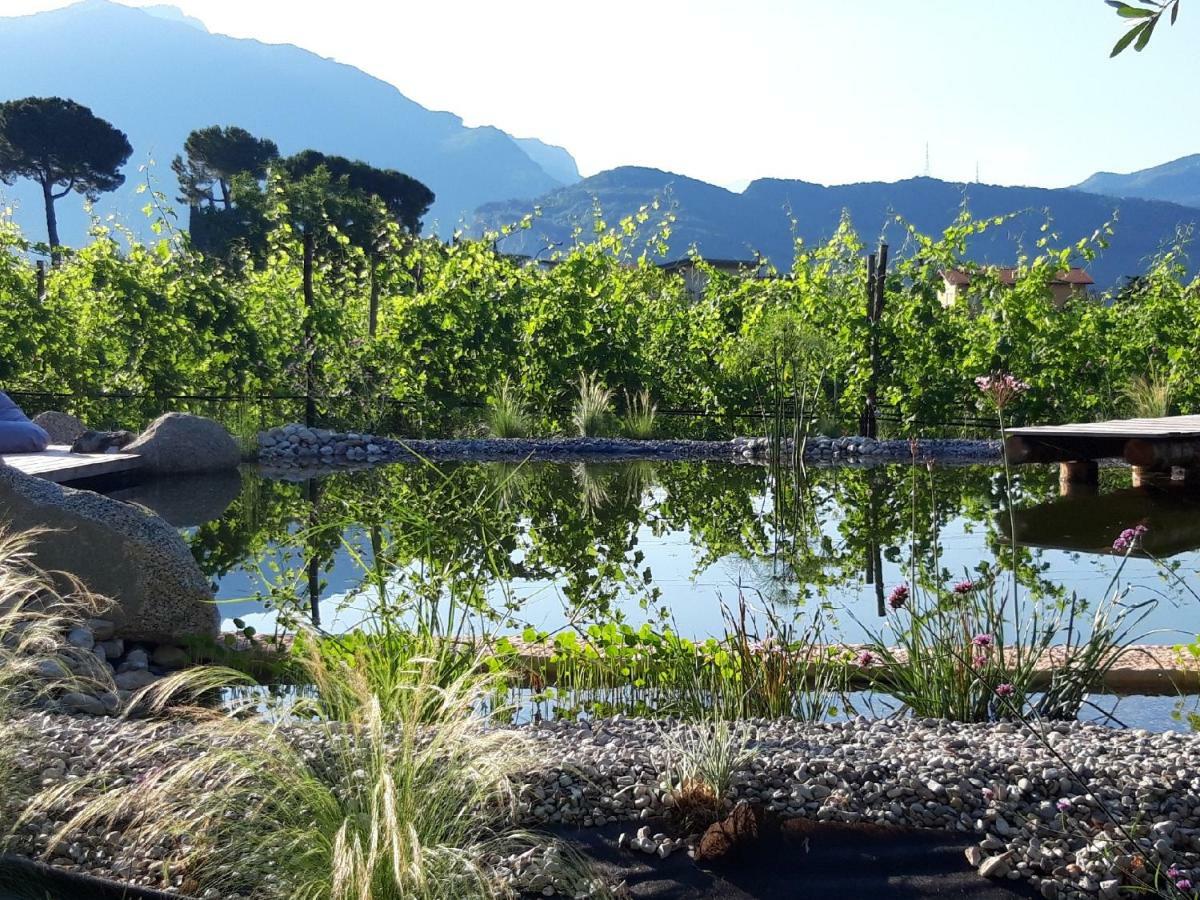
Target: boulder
[177, 443]
[62, 427]
[118, 550]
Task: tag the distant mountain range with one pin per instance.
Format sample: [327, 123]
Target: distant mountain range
[729, 225]
[1177, 181]
[156, 74]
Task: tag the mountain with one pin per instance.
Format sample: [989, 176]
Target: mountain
[1177, 181]
[725, 224]
[156, 74]
[555, 160]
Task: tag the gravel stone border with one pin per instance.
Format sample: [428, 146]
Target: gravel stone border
[297, 446]
[1045, 807]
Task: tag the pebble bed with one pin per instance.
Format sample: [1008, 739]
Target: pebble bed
[297, 446]
[120, 668]
[1045, 807]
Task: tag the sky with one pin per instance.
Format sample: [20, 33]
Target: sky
[832, 91]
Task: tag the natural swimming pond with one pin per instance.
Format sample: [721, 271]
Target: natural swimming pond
[557, 545]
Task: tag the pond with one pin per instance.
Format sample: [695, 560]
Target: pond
[673, 543]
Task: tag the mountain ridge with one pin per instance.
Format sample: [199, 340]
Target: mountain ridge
[771, 212]
[1177, 180]
[291, 95]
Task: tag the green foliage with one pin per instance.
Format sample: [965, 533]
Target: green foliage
[638, 419]
[1148, 396]
[1144, 20]
[507, 416]
[427, 327]
[593, 406]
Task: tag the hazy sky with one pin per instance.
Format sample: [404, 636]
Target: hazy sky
[830, 91]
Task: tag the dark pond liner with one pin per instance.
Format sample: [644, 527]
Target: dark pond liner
[27, 879]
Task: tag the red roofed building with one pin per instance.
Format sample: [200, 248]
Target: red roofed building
[1072, 283]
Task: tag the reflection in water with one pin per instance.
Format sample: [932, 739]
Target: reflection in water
[550, 544]
[1087, 522]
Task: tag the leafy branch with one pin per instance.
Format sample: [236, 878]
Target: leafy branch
[1143, 20]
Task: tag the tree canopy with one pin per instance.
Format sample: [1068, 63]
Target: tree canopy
[60, 144]
[213, 157]
[405, 198]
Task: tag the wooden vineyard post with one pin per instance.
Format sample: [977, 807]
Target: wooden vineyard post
[876, 281]
[310, 404]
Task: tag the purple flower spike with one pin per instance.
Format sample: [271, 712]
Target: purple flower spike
[1002, 389]
[983, 640]
[965, 586]
[899, 596]
[1129, 538]
[1005, 690]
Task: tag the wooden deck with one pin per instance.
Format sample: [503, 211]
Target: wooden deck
[60, 465]
[1150, 443]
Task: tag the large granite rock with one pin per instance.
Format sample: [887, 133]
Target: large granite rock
[62, 427]
[116, 549]
[175, 443]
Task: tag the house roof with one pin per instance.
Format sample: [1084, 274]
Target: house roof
[735, 265]
[1008, 275]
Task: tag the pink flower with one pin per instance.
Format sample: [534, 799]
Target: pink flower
[1002, 389]
[979, 662]
[865, 659]
[1005, 690]
[983, 640]
[1129, 538]
[988, 794]
[965, 586]
[898, 597]
[1173, 872]
[1184, 884]
[1063, 805]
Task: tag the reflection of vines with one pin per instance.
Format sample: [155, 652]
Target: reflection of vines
[577, 526]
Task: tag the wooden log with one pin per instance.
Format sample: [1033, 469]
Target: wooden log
[1077, 472]
[1161, 454]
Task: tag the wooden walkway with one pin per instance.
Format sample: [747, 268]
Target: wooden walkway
[60, 465]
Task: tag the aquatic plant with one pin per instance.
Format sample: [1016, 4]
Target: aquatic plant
[507, 413]
[963, 654]
[779, 669]
[638, 419]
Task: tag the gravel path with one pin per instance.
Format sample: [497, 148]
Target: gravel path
[1047, 809]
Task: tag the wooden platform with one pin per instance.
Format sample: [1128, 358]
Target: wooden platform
[60, 465]
[1152, 443]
